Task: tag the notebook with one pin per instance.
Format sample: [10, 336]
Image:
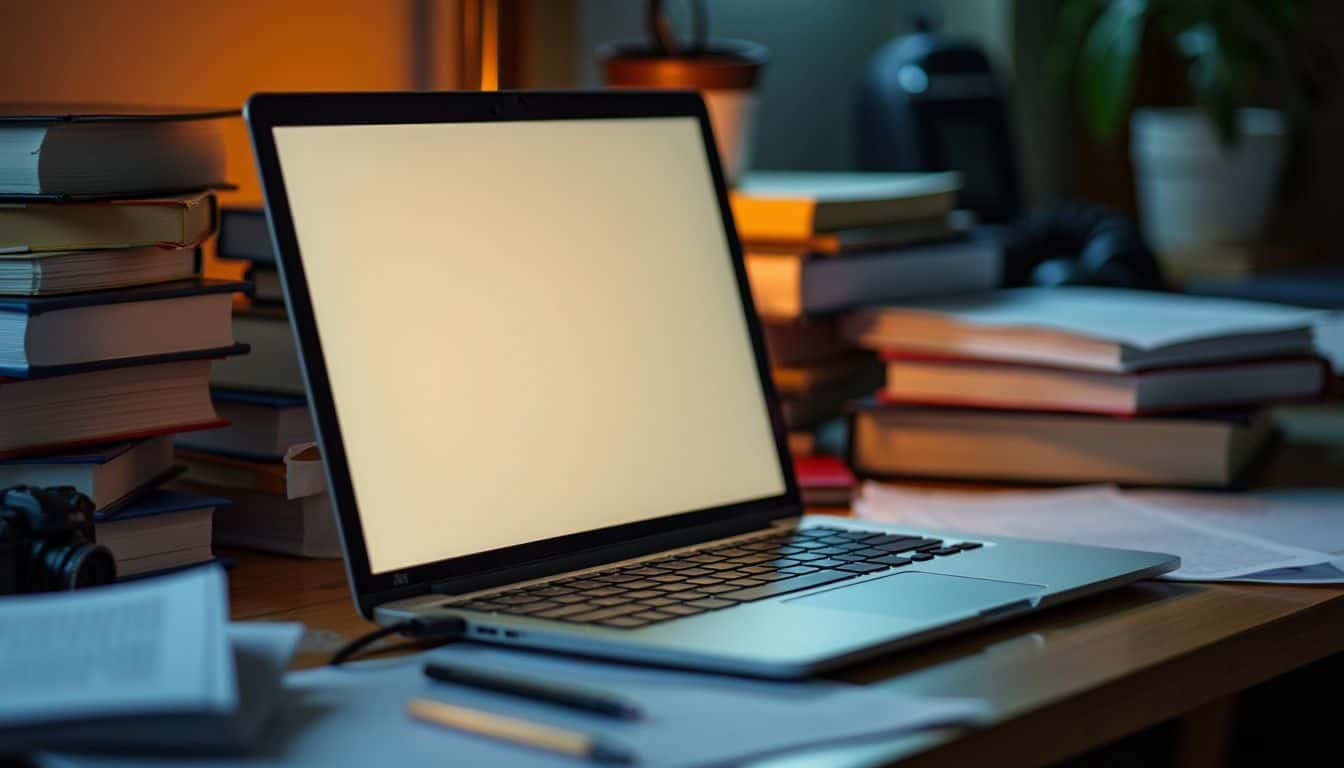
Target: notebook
[1104, 329]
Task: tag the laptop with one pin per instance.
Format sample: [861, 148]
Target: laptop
[543, 399]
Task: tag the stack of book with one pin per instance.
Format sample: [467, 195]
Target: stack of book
[1071, 384]
[819, 243]
[262, 396]
[107, 330]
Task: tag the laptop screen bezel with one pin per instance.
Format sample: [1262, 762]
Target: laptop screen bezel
[265, 112]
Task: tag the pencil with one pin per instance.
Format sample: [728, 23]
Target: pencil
[517, 731]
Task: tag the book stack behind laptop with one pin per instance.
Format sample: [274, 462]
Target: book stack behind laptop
[1074, 384]
[107, 329]
[820, 243]
[262, 397]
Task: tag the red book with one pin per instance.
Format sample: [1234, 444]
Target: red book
[972, 383]
[825, 481]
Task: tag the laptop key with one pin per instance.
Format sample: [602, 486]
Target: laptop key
[603, 591]
[640, 584]
[774, 575]
[796, 584]
[908, 545]
[657, 602]
[689, 595]
[944, 551]
[530, 608]
[920, 557]
[681, 610]
[892, 561]
[888, 538]
[640, 594]
[798, 570]
[717, 589]
[570, 599]
[652, 616]
[563, 611]
[862, 567]
[610, 601]
[829, 562]
[704, 580]
[646, 571]
[674, 565]
[712, 603]
[970, 545]
[870, 552]
[744, 583]
[603, 614]
[478, 605]
[625, 622]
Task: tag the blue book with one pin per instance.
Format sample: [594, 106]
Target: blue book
[55, 335]
[111, 475]
[163, 529]
[262, 425]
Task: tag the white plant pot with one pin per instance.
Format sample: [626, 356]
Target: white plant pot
[1193, 192]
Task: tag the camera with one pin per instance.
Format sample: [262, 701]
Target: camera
[47, 544]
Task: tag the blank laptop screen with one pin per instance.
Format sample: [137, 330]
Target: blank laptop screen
[531, 328]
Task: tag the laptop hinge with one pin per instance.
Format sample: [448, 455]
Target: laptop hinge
[599, 555]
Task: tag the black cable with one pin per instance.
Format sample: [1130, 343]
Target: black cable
[436, 628]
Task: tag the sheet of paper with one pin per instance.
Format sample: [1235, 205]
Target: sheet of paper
[1097, 516]
[356, 715]
[1142, 320]
[1311, 519]
[149, 646]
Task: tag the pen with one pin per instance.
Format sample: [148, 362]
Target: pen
[565, 696]
[511, 729]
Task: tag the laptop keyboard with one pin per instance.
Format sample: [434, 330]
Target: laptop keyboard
[714, 578]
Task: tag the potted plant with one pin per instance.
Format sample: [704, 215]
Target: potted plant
[1206, 174]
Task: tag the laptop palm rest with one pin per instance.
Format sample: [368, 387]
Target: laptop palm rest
[917, 595]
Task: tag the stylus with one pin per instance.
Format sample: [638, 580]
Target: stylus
[563, 695]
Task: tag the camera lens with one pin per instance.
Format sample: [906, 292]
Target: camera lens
[72, 566]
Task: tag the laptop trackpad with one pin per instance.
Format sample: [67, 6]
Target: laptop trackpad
[916, 595]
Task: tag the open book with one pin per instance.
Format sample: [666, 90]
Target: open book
[150, 665]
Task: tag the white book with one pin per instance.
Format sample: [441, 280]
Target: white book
[1104, 329]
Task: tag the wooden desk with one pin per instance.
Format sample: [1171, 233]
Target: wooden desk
[1061, 682]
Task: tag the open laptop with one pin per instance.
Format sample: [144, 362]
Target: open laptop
[544, 403]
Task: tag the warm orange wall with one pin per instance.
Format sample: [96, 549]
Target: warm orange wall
[209, 53]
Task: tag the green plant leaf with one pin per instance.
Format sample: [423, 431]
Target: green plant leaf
[1071, 26]
[1108, 63]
